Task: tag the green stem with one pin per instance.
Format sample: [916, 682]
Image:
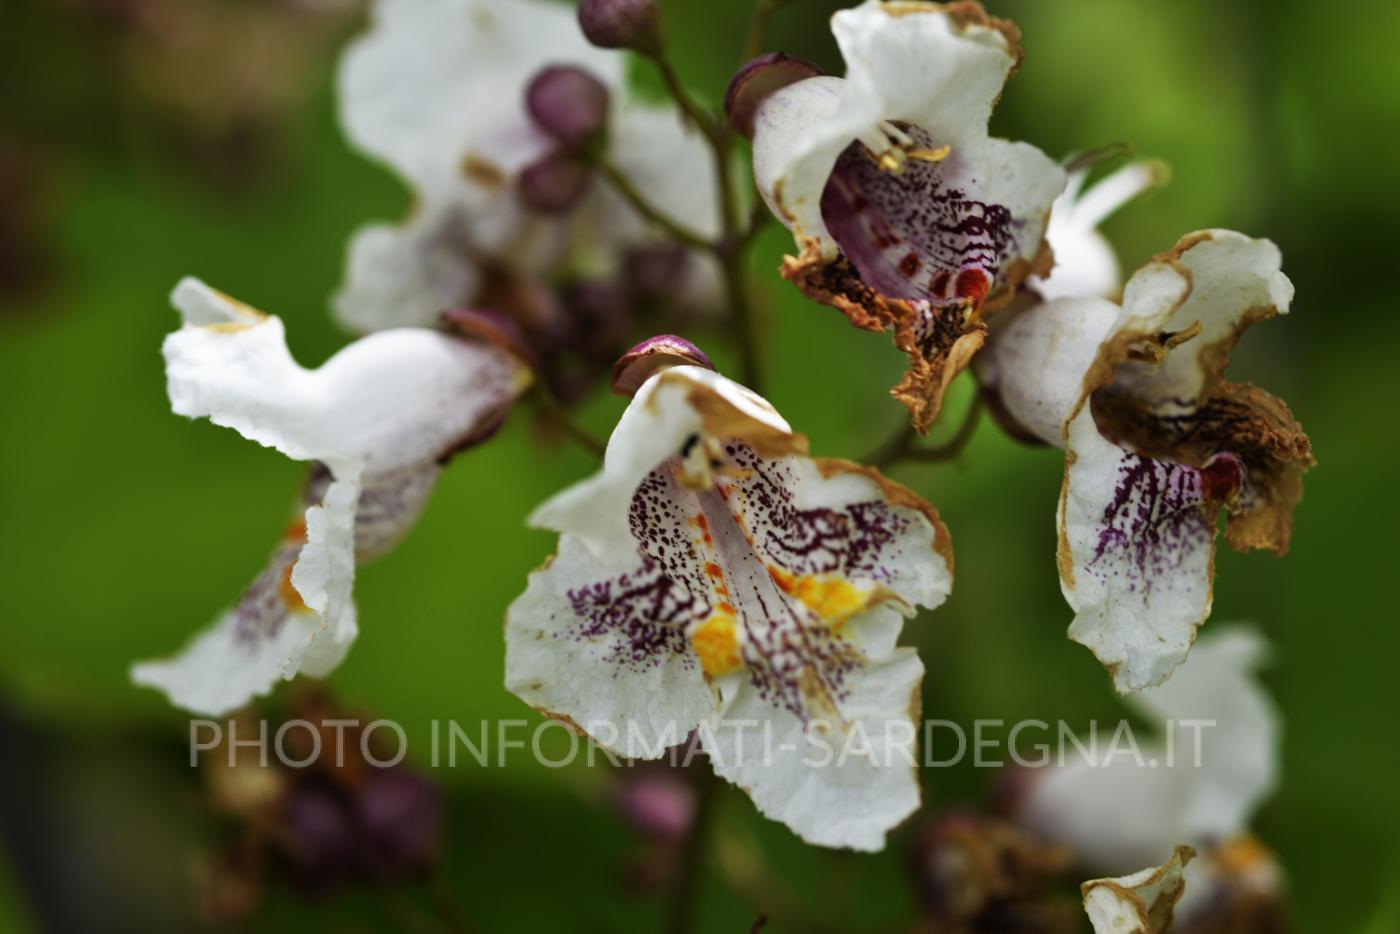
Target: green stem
[758, 27]
[446, 903]
[634, 197]
[900, 448]
[554, 414]
[681, 914]
[734, 239]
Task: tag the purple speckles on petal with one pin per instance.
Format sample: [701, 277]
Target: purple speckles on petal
[851, 541]
[1156, 517]
[262, 609]
[649, 608]
[916, 234]
[737, 548]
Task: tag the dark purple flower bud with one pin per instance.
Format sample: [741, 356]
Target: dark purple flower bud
[400, 815]
[973, 872]
[318, 839]
[754, 81]
[493, 328]
[569, 104]
[653, 272]
[642, 361]
[622, 24]
[658, 803]
[555, 183]
[600, 315]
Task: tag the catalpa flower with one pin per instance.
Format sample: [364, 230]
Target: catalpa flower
[712, 575]
[1156, 442]
[480, 107]
[1213, 763]
[1200, 782]
[378, 420]
[907, 214]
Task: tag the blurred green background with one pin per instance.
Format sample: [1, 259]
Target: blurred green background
[141, 141]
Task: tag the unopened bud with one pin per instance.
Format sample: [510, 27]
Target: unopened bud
[401, 816]
[653, 354]
[756, 80]
[555, 183]
[622, 24]
[654, 271]
[569, 104]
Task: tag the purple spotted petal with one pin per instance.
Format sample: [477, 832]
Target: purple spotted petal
[916, 234]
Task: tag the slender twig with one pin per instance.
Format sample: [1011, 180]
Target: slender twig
[681, 913]
[742, 869]
[758, 27]
[447, 904]
[733, 244]
[408, 917]
[651, 212]
[555, 415]
[901, 447]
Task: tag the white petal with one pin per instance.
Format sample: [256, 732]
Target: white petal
[837, 787]
[379, 415]
[1219, 280]
[1141, 903]
[1085, 264]
[616, 666]
[324, 575]
[397, 275]
[1240, 751]
[1036, 364]
[386, 401]
[670, 164]
[1137, 551]
[297, 615]
[655, 426]
[1118, 814]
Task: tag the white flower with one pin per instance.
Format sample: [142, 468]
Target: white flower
[713, 574]
[1140, 903]
[436, 91]
[1200, 782]
[1085, 264]
[378, 420]
[1156, 442]
[909, 215]
[1216, 760]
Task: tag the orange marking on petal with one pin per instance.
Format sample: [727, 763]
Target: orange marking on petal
[713, 570]
[783, 579]
[288, 592]
[716, 643]
[833, 599]
[728, 608]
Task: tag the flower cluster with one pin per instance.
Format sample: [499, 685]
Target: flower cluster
[713, 577]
